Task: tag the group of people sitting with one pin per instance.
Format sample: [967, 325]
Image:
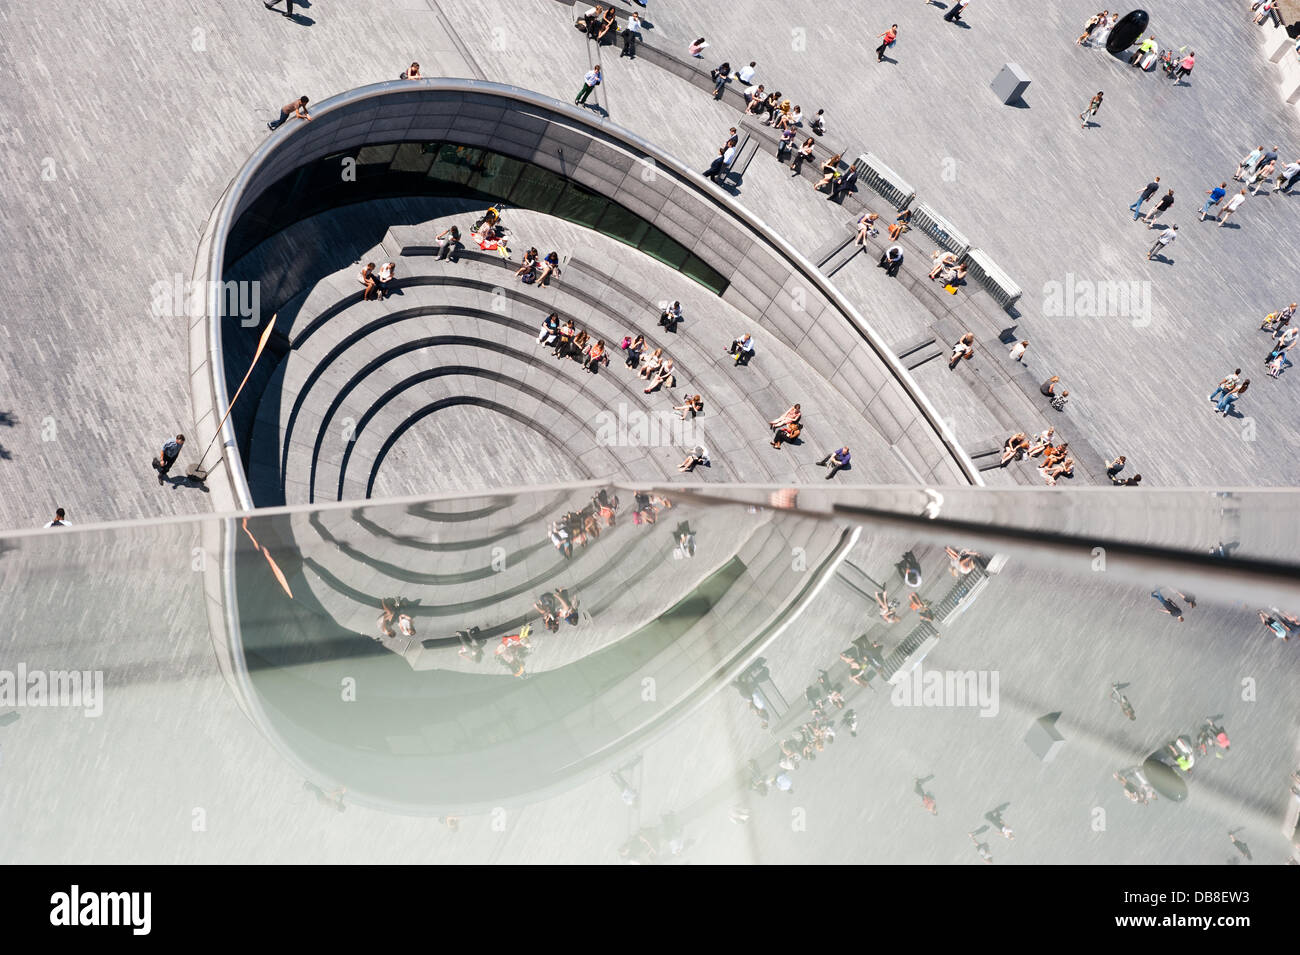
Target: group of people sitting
[838, 181]
[650, 365]
[566, 340]
[946, 268]
[513, 650]
[779, 111]
[376, 283]
[555, 606]
[1056, 457]
[394, 615]
[599, 22]
[786, 427]
[646, 507]
[539, 270]
[583, 526]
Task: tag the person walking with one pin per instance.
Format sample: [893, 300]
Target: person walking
[1231, 206]
[1247, 165]
[1147, 193]
[1093, 105]
[60, 519]
[589, 83]
[1226, 385]
[1216, 196]
[888, 39]
[1168, 606]
[1166, 202]
[1048, 388]
[1288, 176]
[1227, 401]
[298, 109]
[1147, 45]
[956, 10]
[1163, 241]
[1263, 176]
[717, 167]
[288, 4]
[631, 34]
[167, 457]
[1018, 350]
[1184, 67]
[835, 460]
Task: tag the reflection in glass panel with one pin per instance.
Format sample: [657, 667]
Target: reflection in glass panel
[455, 164]
[373, 158]
[536, 189]
[580, 205]
[496, 175]
[661, 649]
[413, 158]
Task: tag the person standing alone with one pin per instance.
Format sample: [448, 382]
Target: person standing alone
[1163, 241]
[288, 4]
[888, 39]
[167, 457]
[589, 83]
[1093, 105]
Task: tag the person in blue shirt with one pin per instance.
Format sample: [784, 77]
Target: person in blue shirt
[1216, 196]
[835, 460]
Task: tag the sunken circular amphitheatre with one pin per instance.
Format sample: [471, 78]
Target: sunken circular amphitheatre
[443, 385]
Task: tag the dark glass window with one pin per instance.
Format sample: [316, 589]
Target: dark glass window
[446, 169]
[619, 223]
[657, 245]
[536, 189]
[696, 268]
[496, 175]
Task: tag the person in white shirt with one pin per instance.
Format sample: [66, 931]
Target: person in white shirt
[747, 73]
[1018, 350]
[59, 519]
[818, 123]
[1163, 240]
[631, 33]
[1232, 206]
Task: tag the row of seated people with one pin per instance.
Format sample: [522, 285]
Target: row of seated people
[584, 525]
[1057, 462]
[566, 340]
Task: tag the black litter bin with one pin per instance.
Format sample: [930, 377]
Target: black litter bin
[1126, 32]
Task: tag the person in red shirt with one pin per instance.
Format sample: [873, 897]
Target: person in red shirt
[888, 37]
